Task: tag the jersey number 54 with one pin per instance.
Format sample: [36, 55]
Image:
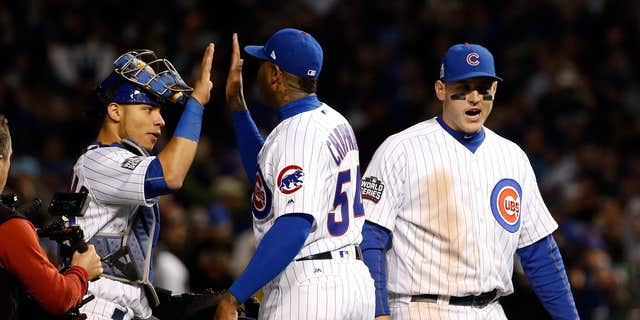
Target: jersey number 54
[341, 203]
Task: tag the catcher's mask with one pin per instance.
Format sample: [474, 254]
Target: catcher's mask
[139, 76]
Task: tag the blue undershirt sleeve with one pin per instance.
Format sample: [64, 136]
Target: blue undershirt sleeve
[154, 183]
[375, 242]
[543, 266]
[249, 142]
[274, 253]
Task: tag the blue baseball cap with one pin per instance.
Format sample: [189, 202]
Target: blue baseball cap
[126, 92]
[464, 61]
[293, 50]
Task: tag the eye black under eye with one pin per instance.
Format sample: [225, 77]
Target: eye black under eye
[463, 96]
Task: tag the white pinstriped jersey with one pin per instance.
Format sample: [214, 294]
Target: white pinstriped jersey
[456, 217]
[310, 164]
[114, 178]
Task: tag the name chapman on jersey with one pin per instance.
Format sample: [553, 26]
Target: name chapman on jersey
[340, 141]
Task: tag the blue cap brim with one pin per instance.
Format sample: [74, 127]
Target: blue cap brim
[130, 93]
[471, 75]
[256, 52]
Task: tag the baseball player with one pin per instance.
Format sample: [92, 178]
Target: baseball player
[124, 180]
[450, 201]
[307, 210]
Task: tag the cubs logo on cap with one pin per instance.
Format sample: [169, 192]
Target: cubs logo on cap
[464, 61]
[290, 179]
[506, 203]
[472, 59]
[261, 197]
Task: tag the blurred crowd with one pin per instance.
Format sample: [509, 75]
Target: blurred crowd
[570, 99]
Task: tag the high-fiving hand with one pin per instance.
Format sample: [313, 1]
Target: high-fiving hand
[203, 85]
[235, 95]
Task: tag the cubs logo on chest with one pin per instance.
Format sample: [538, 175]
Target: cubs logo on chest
[506, 203]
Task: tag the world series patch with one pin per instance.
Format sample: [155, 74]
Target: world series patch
[132, 163]
[372, 189]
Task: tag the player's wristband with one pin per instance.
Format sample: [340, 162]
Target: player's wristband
[190, 122]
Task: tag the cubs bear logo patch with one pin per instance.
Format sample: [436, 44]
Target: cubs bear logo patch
[506, 200]
[290, 179]
[372, 188]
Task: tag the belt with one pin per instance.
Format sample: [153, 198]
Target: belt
[480, 301]
[328, 255]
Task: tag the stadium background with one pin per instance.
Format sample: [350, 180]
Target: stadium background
[570, 99]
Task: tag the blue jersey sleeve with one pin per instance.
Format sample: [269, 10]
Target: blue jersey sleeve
[249, 142]
[274, 253]
[375, 242]
[543, 266]
[154, 183]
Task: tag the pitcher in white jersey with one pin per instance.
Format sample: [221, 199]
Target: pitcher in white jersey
[124, 180]
[307, 210]
[449, 202]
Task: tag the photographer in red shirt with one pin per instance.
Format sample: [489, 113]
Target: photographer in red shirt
[24, 266]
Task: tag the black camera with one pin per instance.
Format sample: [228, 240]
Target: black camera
[70, 238]
[69, 204]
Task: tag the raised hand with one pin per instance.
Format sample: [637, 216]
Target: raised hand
[235, 96]
[203, 85]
